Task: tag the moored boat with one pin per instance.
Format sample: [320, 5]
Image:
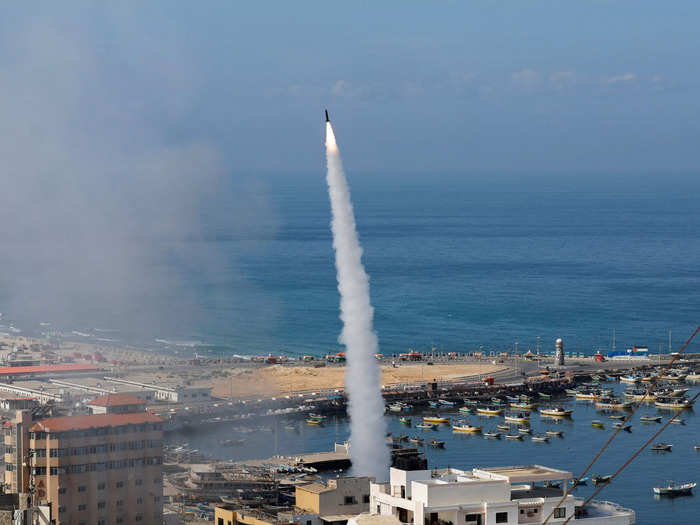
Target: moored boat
[405, 420]
[557, 433]
[540, 439]
[544, 396]
[426, 426]
[597, 424]
[524, 430]
[517, 418]
[503, 427]
[489, 411]
[556, 412]
[646, 418]
[437, 444]
[622, 426]
[598, 479]
[523, 405]
[492, 435]
[446, 403]
[437, 419]
[661, 447]
[673, 403]
[514, 436]
[465, 427]
[610, 404]
[683, 489]
[416, 440]
[580, 482]
[466, 410]
[617, 416]
[630, 379]
[311, 421]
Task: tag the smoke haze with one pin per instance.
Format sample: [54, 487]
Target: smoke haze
[368, 450]
[103, 202]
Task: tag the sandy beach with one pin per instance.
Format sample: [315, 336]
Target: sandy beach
[278, 379]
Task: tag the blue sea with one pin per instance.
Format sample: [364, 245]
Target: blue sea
[453, 265]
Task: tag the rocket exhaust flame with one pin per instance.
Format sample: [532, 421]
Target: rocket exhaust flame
[368, 451]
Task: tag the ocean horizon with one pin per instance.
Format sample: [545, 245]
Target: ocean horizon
[453, 266]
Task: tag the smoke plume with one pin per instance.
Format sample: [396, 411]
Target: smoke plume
[368, 450]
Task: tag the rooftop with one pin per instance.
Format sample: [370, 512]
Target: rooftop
[62, 424]
[316, 488]
[69, 367]
[523, 473]
[114, 400]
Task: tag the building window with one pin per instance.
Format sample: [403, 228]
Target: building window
[350, 500]
[101, 486]
[560, 512]
[61, 509]
[82, 506]
[62, 490]
[101, 522]
[138, 482]
[120, 484]
[501, 517]
[365, 498]
[138, 518]
[220, 521]
[82, 488]
[120, 503]
[101, 505]
[139, 501]
[120, 520]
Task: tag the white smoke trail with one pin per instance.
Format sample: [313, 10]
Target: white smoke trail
[369, 453]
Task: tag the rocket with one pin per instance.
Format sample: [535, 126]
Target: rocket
[327, 118]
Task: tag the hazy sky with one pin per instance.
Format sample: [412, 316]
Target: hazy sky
[527, 86]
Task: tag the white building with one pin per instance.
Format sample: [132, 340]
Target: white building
[508, 495]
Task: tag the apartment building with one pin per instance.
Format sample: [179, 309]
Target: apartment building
[99, 469]
[336, 500]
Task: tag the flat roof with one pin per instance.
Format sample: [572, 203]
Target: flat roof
[62, 424]
[43, 369]
[524, 473]
[316, 488]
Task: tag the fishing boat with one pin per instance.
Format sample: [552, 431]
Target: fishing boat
[320, 417]
[571, 392]
[312, 421]
[555, 433]
[544, 396]
[693, 376]
[513, 399]
[437, 444]
[617, 416]
[426, 426]
[437, 419]
[524, 430]
[446, 403]
[514, 436]
[497, 401]
[503, 427]
[540, 439]
[684, 489]
[517, 418]
[465, 427]
[556, 412]
[630, 379]
[661, 447]
[674, 376]
[433, 404]
[492, 435]
[622, 426]
[646, 418]
[405, 420]
[466, 410]
[523, 405]
[597, 424]
[678, 421]
[610, 404]
[673, 403]
[471, 402]
[610, 378]
[598, 479]
[416, 440]
[587, 395]
[581, 482]
[399, 407]
[490, 411]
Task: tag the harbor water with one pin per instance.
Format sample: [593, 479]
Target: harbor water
[580, 441]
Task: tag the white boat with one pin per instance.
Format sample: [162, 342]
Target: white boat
[672, 489]
[630, 379]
